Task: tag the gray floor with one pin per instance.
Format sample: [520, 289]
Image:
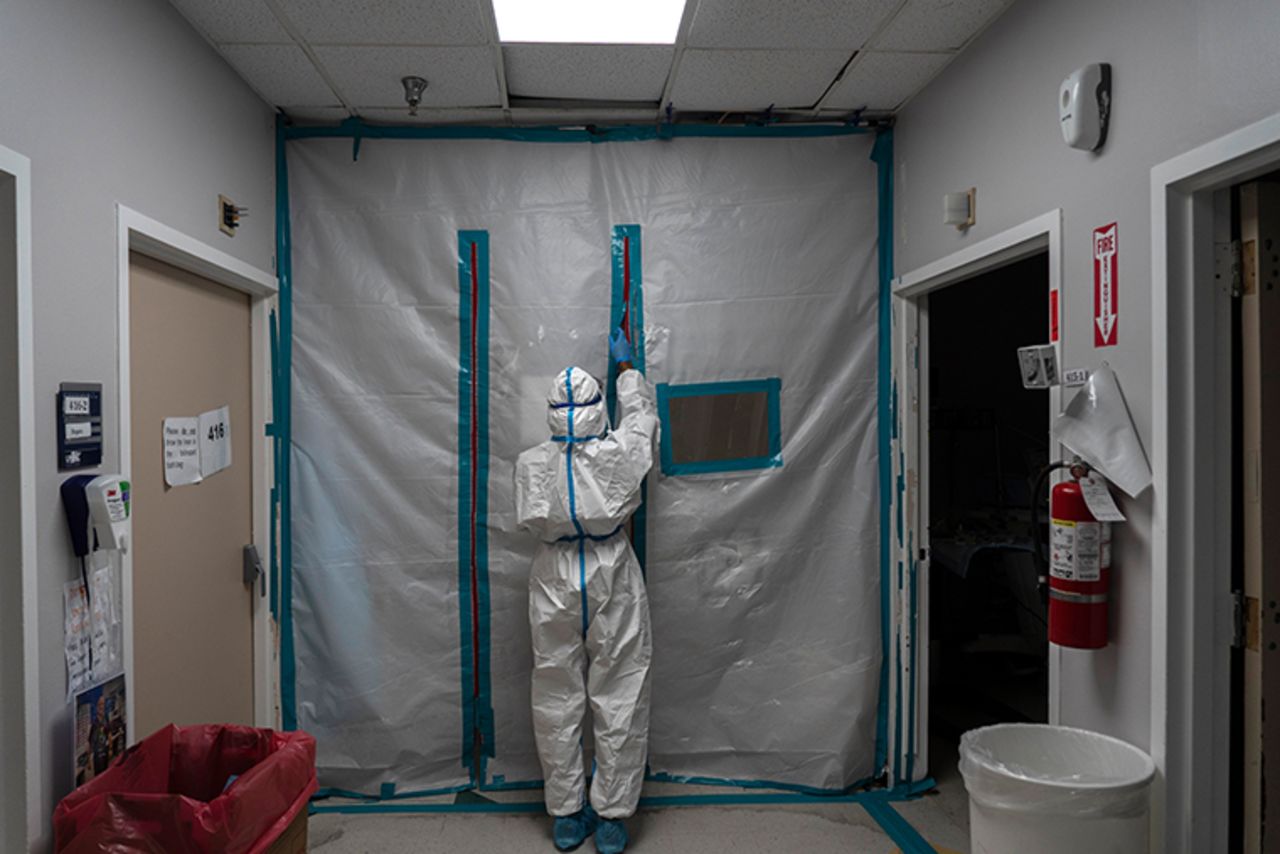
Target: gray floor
[941, 818]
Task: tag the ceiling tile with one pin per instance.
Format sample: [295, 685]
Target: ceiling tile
[326, 115]
[883, 81]
[754, 79]
[224, 21]
[601, 72]
[435, 117]
[938, 24]
[281, 74]
[798, 24]
[369, 77]
[388, 22]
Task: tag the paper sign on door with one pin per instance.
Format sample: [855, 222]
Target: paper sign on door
[215, 440]
[182, 451]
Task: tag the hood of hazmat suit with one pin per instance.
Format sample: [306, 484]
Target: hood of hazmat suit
[587, 604]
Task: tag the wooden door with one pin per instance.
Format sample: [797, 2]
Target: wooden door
[189, 353]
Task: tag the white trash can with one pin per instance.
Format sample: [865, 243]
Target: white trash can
[1036, 789]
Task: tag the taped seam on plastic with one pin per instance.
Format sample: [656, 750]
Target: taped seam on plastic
[356, 129]
[627, 308]
[473, 477]
[284, 274]
[790, 788]
[882, 156]
[772, 387]
[900, 793]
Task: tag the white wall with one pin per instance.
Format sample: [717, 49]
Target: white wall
[1184, 72]
[113, 102]
[11, 710]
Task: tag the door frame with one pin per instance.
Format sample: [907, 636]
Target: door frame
[910, 366]
[139, 233]
[1192, 621]
[30, 785]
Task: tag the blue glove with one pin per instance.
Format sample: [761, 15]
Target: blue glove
[619, 346]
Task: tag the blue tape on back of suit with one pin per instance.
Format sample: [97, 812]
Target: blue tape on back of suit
[882, 155]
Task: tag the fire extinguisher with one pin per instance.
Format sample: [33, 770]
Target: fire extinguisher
[1079, 568]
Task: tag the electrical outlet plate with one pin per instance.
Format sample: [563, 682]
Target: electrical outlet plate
[227, 215]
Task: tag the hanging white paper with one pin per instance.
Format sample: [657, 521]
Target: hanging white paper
[215, 440]
[1096, 425]
[181, 451]
[75, 636]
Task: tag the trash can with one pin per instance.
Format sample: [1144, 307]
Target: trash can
[1055, 790]
[197, 789]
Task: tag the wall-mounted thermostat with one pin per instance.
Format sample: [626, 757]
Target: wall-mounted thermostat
[1084, 106]
[79, 426]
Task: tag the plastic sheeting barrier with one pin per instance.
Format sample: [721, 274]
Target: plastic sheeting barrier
[758, 260]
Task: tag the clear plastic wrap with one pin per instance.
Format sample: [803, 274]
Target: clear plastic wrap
[759, 260]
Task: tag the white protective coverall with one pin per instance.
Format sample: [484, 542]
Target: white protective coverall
[587, 604]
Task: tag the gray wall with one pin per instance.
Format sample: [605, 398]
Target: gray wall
[113, 102]
[1184, 72]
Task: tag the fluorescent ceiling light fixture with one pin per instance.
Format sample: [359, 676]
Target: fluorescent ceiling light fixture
[589, 21]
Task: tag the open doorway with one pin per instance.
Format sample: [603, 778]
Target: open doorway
[1253, 271]
[988, 441]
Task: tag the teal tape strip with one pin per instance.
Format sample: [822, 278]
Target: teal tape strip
[772, 387]
[627, 302]
[876, 796]
[357, 129]
[284, 272]
[791, 788]
[473, 497]
[882, 155]
[898, 828]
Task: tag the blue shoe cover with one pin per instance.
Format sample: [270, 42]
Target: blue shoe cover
[611, 836]
[570, 831]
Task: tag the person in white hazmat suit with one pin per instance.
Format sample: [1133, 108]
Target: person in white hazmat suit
[587, 605]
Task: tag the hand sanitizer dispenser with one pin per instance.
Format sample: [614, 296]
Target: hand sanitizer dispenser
[97, 512]
[1084, 106]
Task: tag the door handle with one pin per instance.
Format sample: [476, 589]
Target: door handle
[253, 568]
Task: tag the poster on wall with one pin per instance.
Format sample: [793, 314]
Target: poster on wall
[1106, 303]
[99, 729]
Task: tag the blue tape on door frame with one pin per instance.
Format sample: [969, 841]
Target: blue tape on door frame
[773, 459]
[273, 432]
[284, 433]
[473, 498]
[882, 155]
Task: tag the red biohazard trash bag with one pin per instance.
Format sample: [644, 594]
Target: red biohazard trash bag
[192, 790]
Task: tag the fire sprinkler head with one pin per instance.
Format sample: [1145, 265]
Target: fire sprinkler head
[413, 89]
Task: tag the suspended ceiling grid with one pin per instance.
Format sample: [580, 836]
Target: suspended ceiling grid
[325, 60]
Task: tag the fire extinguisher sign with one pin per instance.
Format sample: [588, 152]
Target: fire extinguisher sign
[1106, 304]
[1076, 550]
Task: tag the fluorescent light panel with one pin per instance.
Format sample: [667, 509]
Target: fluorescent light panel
[589, 21]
